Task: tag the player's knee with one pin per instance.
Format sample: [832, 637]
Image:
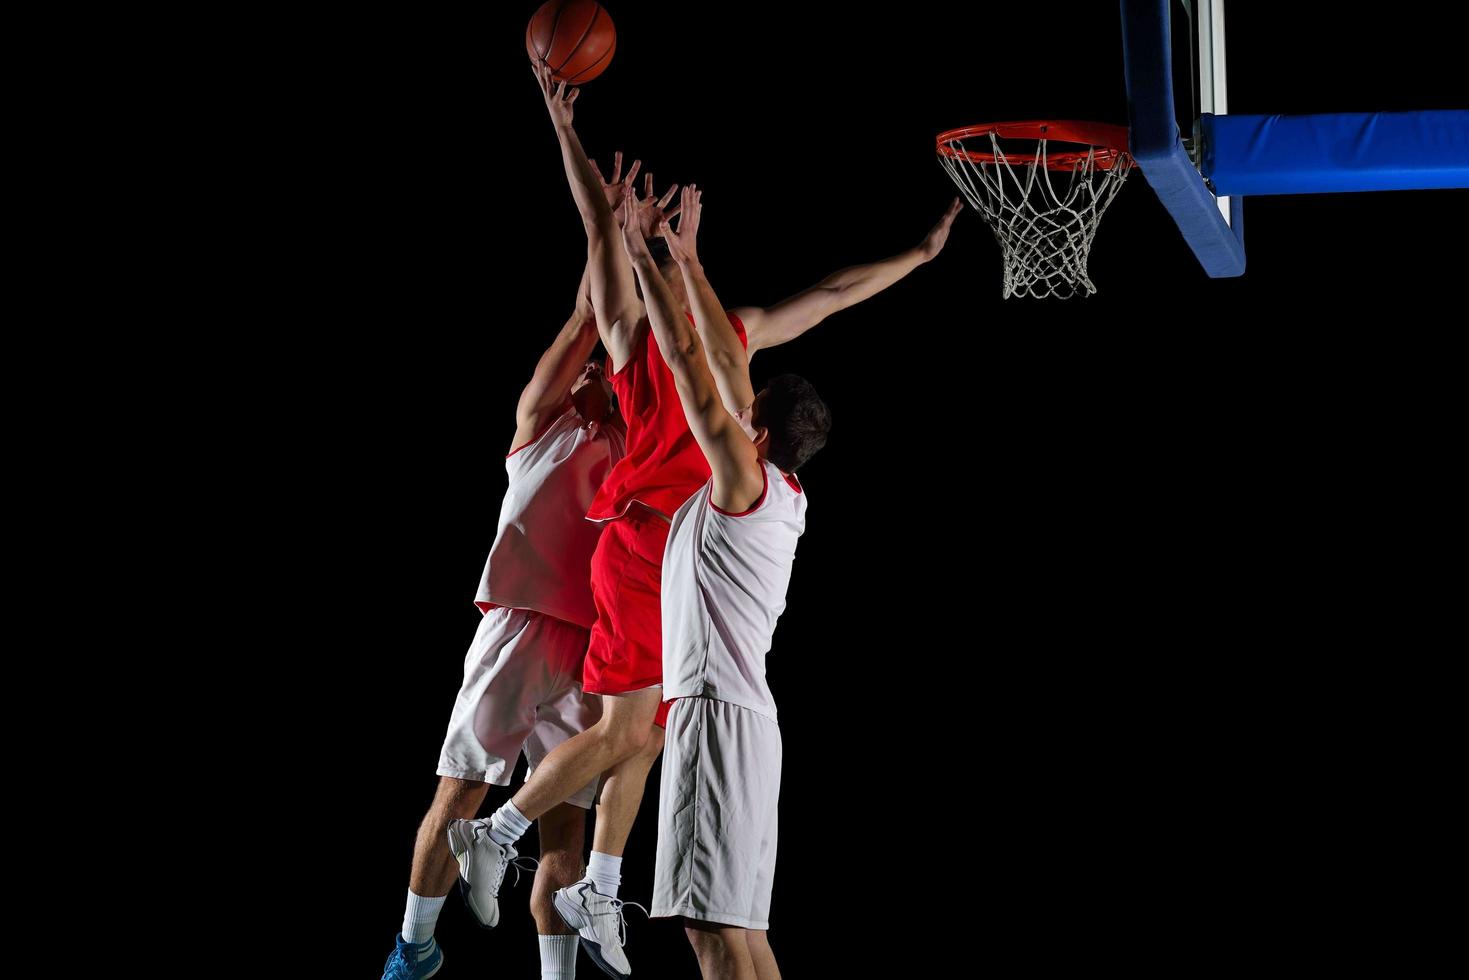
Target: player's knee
[456, 795]
[706, 937]
[633, 740]
[454, 788]
[543, 911]
[622, 741]
[654, 744]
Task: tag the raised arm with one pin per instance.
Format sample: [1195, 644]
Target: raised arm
[614, 300]
[722, 348]
[733, 460]
[549, 392]
[788, 319]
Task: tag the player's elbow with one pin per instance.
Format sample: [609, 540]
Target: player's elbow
[829, 299]
[684, 351]
[724, 360]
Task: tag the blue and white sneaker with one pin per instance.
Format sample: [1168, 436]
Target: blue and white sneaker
[410, 961]
[482, 866]
[598, 920]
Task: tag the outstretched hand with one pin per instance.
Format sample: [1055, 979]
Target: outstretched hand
[615, 187]
[683, 244]
[558, 100]
[652, 210]
[933, 242]
[632, 236]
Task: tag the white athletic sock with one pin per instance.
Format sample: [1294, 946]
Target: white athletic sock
[558, 957]
[508, 824]
[605, 871]
[421, 917]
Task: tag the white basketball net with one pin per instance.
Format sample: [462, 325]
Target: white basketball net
[1044, 220]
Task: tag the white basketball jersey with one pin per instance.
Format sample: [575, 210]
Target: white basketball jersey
[542, 555]
[724, 586]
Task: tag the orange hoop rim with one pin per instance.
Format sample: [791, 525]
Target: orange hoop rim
[1108, 142]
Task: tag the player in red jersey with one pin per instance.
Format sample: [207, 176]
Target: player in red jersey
[661, 468]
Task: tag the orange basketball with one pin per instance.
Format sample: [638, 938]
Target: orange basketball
[575, 37]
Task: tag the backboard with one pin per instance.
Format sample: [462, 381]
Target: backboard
[1174, 56]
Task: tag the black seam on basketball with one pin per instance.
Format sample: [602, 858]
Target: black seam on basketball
[551, 42]
[581, 40]
[607, 54]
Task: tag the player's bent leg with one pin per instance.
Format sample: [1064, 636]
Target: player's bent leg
[563, 837]
[485, 848]
[416, 955]
[622, 796]
[434, 869]
[595, 914]
[623, 731]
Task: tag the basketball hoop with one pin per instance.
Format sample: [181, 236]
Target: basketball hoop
[1043, 207]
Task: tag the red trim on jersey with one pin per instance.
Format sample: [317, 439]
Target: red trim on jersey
[792, 482]
[538, 435]
[764, 489]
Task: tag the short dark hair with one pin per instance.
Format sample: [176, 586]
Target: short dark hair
[797, 418]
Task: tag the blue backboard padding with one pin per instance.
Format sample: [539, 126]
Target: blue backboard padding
[1155, 145]
[1323, 154]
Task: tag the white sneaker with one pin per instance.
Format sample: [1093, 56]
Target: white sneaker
[598, 919]
[482, 864]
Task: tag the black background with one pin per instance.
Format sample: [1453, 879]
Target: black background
[1031, 672]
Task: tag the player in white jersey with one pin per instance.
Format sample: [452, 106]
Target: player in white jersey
[725, 572]
[662, 467]
[522, 675]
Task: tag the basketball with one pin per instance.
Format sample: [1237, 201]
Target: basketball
[574, 37]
